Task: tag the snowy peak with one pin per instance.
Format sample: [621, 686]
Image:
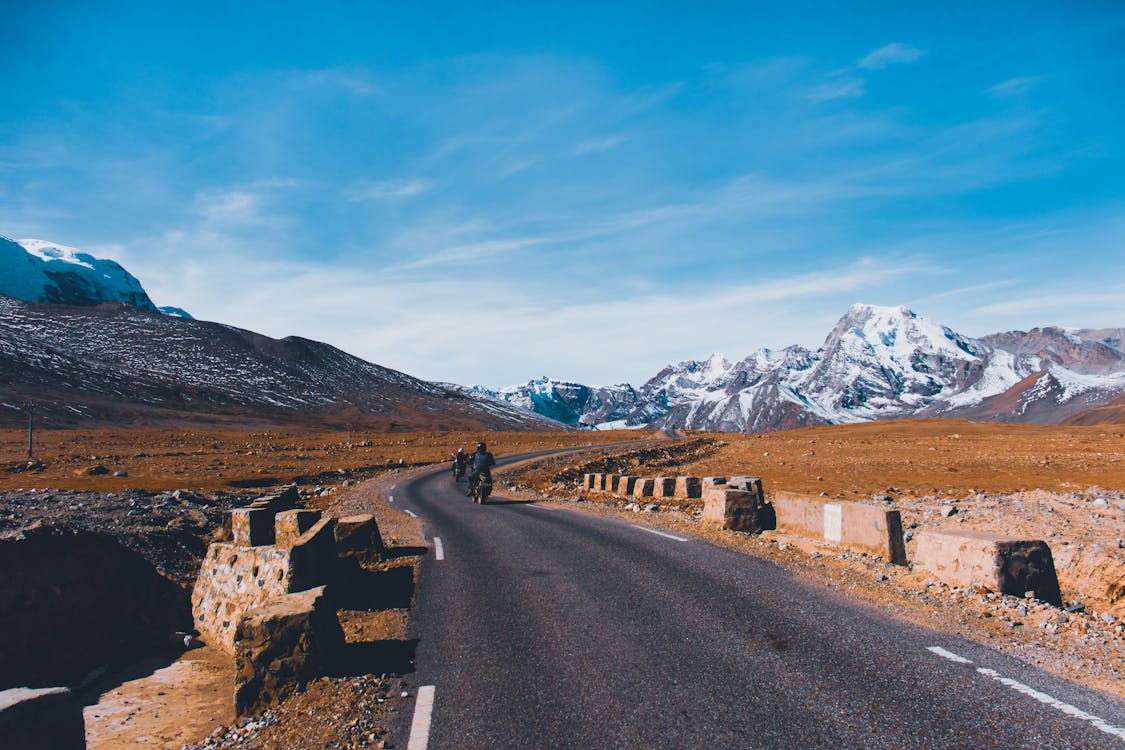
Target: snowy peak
[47, 272]
[879, 363]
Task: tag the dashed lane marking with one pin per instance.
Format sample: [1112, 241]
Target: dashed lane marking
[542, 507]
[948, 655]
[1066, 708]
[420, 727]
[439, 550]
[1031, 692]
[391, 498]
[659, 533]
[410, 513]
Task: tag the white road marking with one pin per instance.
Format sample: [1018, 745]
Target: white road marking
[410, 513]
[948, 655]
[439, 550]
[1066, 708]
[659, 533]
[541, 507]
[391, 498]
[420, 727]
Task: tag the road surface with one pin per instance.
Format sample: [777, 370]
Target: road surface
[546, 628]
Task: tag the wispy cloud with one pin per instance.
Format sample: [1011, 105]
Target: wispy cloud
[843, 88]
[388, 189]
[890, 54]
[1014, 86]
[599, 145]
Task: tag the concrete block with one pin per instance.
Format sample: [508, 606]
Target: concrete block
[312, 559]
[750, 484]
[995, 562]
[626, 484]
[34, 718]
[252, 527]
[664, 487]
[290, 524]
[600, 481]
[611, 482]
[689, 487]
[587, 481]
[872, 529]
[358, 534]
[643, 487]
[736, 510]
[709, 482]
[282, 645]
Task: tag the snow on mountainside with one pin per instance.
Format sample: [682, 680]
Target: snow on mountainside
[120, 364]
[877, 363]
[40, 271]
[569, 403]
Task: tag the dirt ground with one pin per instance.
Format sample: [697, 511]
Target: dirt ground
[1062, 484]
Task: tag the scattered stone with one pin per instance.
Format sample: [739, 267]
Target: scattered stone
[120, 473]
[948, 510]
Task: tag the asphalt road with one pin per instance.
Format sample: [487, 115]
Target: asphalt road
[546, 628]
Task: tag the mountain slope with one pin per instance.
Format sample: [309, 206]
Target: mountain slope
[115, 363]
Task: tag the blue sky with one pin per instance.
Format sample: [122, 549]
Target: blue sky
[600, 188]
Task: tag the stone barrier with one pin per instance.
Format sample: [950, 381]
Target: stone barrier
[252, 527]
[290, 524]
[587, 481]
[643, 487]
[688, 487]
[710, 482]
[736, 510]
[35, 718]
[281, 646]
[612, 481]
[872, 529]
[626, 485]
[664, 487]
[1003, 564]
[359, 534]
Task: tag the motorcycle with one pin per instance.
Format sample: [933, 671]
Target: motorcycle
[458, 470]
[480, 487]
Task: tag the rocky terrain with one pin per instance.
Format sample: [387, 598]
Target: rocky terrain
[877, 363]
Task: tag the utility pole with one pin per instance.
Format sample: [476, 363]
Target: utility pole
[30, 409]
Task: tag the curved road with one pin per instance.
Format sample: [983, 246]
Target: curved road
[546, 628]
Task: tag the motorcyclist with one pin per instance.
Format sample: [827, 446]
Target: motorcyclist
[482, 463]
[460, 461]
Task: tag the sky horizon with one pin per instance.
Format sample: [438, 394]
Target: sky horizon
[588, 192]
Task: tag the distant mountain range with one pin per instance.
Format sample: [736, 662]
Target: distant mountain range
[877, 363]
[80, 337]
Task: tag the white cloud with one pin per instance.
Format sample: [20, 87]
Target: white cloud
[1014, 86]
[846, 88]
[389, 189]
[891, 54]
[599, 145]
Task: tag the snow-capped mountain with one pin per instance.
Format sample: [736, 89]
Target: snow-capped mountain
[40, 271]
[120, 365]
[877, 363]
[571, 404]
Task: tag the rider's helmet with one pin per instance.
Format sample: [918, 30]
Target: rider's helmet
[482, 447]
[460, 450]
